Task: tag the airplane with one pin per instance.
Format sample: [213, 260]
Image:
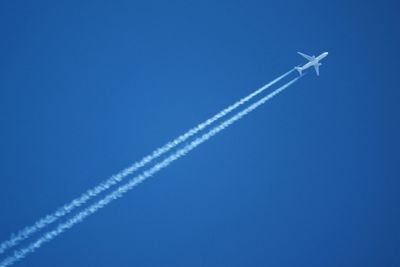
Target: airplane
[312, 61]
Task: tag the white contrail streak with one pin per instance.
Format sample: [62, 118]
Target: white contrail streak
[120, 191]
[15, 239]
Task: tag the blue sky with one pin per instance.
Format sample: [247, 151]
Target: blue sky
[309, 179]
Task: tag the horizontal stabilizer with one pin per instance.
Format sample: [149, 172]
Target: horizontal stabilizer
[300, 70]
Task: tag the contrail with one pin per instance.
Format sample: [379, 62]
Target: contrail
[120, 191]
[15, 239]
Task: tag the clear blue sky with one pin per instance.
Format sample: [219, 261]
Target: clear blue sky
[309, 179]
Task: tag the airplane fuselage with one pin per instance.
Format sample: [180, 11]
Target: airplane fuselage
[315, 61]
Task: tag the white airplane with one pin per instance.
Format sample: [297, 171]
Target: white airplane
[312, 61]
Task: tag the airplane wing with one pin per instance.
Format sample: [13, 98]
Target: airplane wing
[309, 58]
[316, 67]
